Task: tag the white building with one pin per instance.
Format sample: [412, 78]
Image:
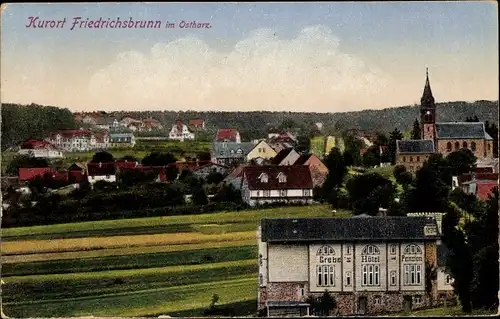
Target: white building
[101, 172]
[368, 264]
[276, 184]
[180, 132]
[73, 140]
[40, 148]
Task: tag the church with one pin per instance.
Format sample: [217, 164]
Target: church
[368, 264]
[441, 137]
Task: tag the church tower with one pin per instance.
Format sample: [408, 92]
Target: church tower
[428, 112]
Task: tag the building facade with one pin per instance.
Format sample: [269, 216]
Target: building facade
[276, 184]
[230, 153]
[368, 264]
[40, 149]
[73, 140]
[413, 153]
[261, 150]
[180, 132]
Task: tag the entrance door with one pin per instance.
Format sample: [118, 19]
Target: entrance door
[407, 303]
[362, 301]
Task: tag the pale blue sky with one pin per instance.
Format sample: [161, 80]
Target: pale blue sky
[351, 56]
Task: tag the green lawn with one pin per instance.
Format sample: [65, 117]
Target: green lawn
[443, 311]
[168, 265]
[386, 171]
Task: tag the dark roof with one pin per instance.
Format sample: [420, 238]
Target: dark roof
[458, 130]
[302, 159]
[297, 177]
[341, 229]
[442, 255]
[427, 98]
[281, 156]
[231, 149]
[101, 169]
[415, 146]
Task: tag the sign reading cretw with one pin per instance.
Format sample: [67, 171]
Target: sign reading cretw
[328, 260]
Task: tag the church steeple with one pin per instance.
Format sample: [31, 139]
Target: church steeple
[427, 99]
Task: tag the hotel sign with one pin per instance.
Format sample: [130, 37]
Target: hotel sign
[328, 260]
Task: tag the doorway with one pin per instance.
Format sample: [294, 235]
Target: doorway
[407, 303]
[362, 303]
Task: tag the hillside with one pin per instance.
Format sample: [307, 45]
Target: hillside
[255, 124]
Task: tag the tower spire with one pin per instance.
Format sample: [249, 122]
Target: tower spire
[427, 98]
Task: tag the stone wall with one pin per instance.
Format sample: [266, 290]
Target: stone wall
[413, 165]
[481, 146]
[431, 259]
[287, 291]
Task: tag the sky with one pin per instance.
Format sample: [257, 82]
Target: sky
[314, 57]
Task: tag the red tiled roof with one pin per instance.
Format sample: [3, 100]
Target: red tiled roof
[37, 144]
[228, 134]
[26, 174]
[70, 133]
[101, 169]
[483, 170]
[122, 165]
[484, 188]
[196, 122]
[297, 177]
[302, 159]
[281, 156]
[190, 165]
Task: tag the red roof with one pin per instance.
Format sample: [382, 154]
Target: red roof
[77, 176]
[101, 169]
[70, 133]
[484, 188]
[37, 144]
[196, 122]
[478, 176]
[297, 177]
[121, 165]
[226, 134]
[26, 174]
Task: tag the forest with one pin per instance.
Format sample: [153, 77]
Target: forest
[20, 122]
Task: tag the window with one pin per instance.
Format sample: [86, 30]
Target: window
[282, 178]
[348, 249]
[457, 146]
[306, 193]
[404, 158]
[370, 250]
[283, 193]
[447, 280]
[412, 273]
[267, 193]
[325, 251]
[263, 178]
[393, 278]
[411, 158]
[418, 158]
[239, 151]
[411, 168]
[301, 291]
[393, 249]
[371, 275]
[412, 250]
[417, 299]
[261, 279]
[348, 279]
[258, 194]
[232, 151]
[489, 147]
[376, 300]
[464, 145]
[260, 259]
[325, 275]
[473, 146]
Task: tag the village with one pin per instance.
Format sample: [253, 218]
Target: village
[378, 260]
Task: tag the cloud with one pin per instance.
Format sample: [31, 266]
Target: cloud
[308, 72]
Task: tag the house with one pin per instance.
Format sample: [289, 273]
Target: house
[413, 153]
[479, 174]
[198, 124]
[230, 153]
[107, 122]
[77, 172]
[448, 137]
[180, 132]
[285, 137]
[319, 171]
[481, 186]
[228, 135]
[90, 118]
[261, 150]
[130, 123]
[150, 124]
[27, 174]
[205, 170]
[368, 264]
[101, 140]
[39, 149]
[101, 172]
[121, 138]
[491, 164]
[235, 178]
[276, 184]
[279, 146]
[73, 140]
[285, 157]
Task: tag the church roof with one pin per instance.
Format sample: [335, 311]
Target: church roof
[346, 229]
[427, 98]
[460, 130]
[415, 146]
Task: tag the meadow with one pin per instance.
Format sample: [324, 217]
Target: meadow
[137, 267]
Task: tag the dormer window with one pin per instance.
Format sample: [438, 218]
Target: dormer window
[232, 151]
[263, 178]
[239, 151]
[282, 178]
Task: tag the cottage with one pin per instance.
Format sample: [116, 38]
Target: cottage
[180, 132]
[481, 185]
[369, 264]
[28, 174]
[230, 153]
[107, 122]
[207, 169]
[150, 124]
[285, 157]
[120, 138]
[198, 124]
[261, 150]
[228, 135]
[276, 184]
[77, 172]
[40, 149]
[101, 172]
[235, 178]
[413, 153]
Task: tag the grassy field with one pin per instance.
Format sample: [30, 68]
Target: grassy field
[137, 267]
[443, 311]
